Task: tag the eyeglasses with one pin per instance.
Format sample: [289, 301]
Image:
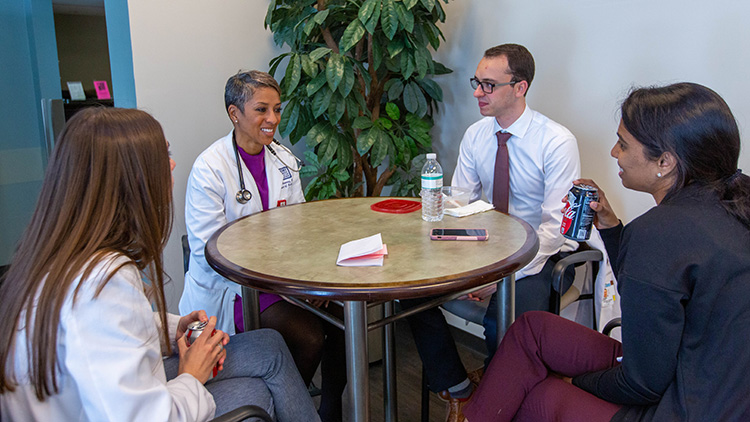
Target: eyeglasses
[486, 86]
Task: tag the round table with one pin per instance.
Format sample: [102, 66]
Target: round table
[292, 251]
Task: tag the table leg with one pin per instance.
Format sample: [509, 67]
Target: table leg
[250, 309]
[355, 332]
[389, 366]
[506, 305]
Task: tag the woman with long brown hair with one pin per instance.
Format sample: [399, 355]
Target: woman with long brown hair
[80, 339]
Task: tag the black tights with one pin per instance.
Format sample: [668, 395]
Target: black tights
[313, 341]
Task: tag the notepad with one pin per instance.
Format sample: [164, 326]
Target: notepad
[367, 252]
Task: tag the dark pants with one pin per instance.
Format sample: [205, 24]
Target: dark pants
[518, 384]
[434, 341]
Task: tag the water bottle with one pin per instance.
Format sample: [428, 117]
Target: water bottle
[432, 189]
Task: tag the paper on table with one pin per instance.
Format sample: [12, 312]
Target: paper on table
[473, 208]
[367, 252]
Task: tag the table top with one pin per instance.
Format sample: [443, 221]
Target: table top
[292, 250]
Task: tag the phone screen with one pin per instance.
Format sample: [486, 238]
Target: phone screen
[459, 232]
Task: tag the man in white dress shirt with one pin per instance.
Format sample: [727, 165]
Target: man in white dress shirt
[542, 162]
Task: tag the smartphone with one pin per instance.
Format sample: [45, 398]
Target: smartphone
[459, 234]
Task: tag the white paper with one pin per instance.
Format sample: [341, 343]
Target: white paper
[473, 208]
[76, 91]
[367, 252]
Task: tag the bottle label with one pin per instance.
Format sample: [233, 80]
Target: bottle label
[432, 181]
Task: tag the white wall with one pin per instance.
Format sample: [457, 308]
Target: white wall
[183, 53]
[588, 54]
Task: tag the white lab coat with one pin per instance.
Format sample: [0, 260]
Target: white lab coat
[210, 204]
[109, 358]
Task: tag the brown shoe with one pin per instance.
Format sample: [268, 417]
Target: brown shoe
[474, 376]
[455, 409]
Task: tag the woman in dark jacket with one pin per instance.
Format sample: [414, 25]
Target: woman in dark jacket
[683, 270]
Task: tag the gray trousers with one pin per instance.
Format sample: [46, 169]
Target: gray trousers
[258, 370]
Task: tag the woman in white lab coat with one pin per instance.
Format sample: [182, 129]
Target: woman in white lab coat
[80, 339]
[243, 173]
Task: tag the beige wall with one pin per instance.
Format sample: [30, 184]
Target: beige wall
[588, 53]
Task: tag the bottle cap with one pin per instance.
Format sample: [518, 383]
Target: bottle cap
[431, 156]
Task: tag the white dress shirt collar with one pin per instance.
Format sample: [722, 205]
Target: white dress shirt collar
[520, 126]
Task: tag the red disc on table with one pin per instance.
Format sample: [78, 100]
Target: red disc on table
[396, 206]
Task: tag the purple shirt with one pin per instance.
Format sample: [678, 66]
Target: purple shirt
[257, 166]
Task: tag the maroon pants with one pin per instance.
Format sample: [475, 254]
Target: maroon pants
[519, 384]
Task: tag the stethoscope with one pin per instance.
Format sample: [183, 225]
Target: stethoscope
[243, 195]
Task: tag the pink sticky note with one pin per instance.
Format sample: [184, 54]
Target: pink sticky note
[102, 90]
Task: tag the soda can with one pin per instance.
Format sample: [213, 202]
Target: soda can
[194, 330]
[578, 217]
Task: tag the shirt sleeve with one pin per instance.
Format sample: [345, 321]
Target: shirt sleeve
[561, 166]
[112, 353]
[465, 175]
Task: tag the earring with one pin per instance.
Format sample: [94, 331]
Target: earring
[658, 174]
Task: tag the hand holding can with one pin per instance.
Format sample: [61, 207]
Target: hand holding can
[194, 330]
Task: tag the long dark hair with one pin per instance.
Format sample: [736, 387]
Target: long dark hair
[695, 124]
[107, 192]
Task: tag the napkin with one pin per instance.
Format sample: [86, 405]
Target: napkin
[473, 208]
[367, 252]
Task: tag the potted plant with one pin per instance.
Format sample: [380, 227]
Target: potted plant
[358, 87]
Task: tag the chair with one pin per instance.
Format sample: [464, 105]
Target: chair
[471, 311]
[243, 413]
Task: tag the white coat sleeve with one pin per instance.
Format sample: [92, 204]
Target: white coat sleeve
[205, 211]
[112, 352]
[562, 165]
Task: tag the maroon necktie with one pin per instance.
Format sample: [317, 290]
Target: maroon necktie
[501, 184]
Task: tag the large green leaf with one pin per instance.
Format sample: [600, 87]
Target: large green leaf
[321, 100]
[406, 17]
[321, 16]
[432, 89]
[348, 82]
[395, 46]
[289, 118]
[428, 4]
[372, 23]
[293, 74]
[407, 64]
[275, 62]
[380, 148]
[410, 3]
[366, 139]
[327, 149]
[393, 111]
[345, 156]
[352, 34]
[309, 66]
[411, 102]
[269, 14]
[336, 109]
[365, 11]
[317, 134]
[319, 53]
[385, 123]
[335, 71]
[362, 122]
[395, 90]
[316, 83]
[389, 19]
